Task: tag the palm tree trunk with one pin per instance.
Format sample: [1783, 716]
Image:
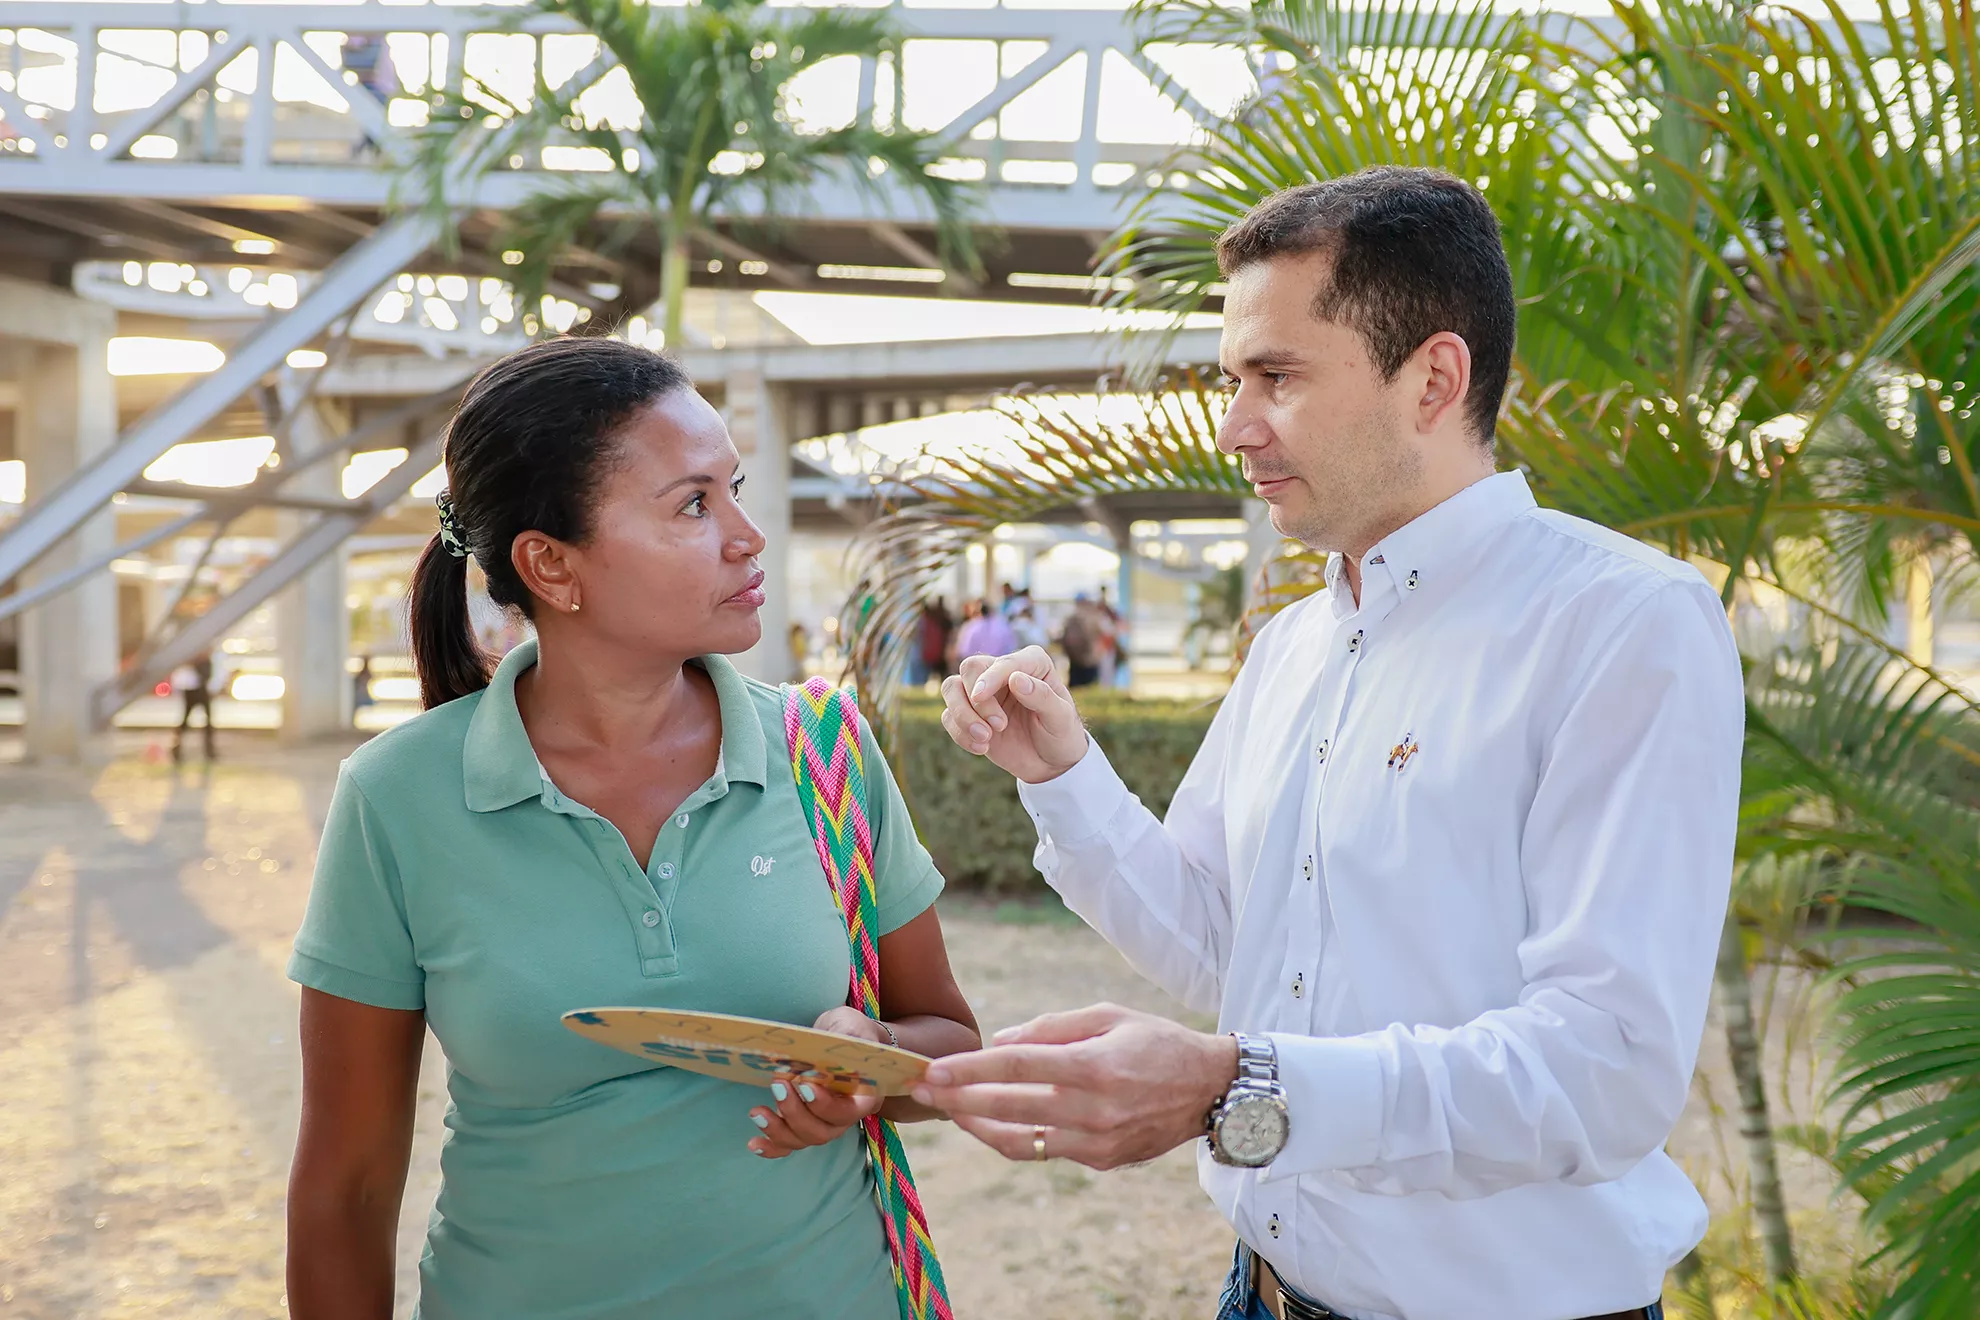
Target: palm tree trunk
[673, 289]
[1756, 1130]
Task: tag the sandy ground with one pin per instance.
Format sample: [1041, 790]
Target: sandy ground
[148, 1070]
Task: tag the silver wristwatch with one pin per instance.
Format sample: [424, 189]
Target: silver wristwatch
[1249, 1126]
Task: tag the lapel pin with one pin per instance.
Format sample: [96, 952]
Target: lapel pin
[1399, 754]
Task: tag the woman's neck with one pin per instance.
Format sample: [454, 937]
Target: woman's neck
[603, 701]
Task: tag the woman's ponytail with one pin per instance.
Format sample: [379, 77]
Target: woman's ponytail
[449, 660]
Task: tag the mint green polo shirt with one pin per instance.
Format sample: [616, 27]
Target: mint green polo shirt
[578, 1181]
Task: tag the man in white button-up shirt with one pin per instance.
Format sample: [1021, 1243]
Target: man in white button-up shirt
[1453, 858]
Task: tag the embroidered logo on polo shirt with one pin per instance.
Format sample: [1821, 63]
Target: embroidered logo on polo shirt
[761, 865]
[1399, 754]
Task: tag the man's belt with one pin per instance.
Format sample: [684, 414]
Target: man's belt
[1283, 1304]
[1279, 1303]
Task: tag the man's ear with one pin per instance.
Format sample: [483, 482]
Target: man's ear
[1443, 364]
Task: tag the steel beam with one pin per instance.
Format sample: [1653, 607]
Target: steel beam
[220, 504]
[321, 537]
[55, 586]
[220, 52]
[343, 286]
[903, 243]
[788, 275]
[364, 107]
[53, 217]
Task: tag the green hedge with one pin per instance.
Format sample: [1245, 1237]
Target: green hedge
[968, 811]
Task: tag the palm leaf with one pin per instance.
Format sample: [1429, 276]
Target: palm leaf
[713, 136]
[1065, 461]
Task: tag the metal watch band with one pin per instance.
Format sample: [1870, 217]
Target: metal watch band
[1258, 1060]
[1257, 1079]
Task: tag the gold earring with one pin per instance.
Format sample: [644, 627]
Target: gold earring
[574, 607]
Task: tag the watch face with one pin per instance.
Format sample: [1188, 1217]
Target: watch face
[1252, 1129]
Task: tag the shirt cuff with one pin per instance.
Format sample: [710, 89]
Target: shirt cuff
[343, 983]
[1078, 804]
[1335, 1096]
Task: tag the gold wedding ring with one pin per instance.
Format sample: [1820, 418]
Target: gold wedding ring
[1038, 1142]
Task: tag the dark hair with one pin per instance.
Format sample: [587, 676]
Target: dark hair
[1414, 252]
[533, 438]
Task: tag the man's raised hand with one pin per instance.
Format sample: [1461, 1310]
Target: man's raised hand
[1014, 710]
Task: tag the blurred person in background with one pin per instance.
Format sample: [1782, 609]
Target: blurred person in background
[1027, 630]
[1081, 639]
[1113, 644]
[194, 682]
[932, 643]
[987, 633]
[952, 658]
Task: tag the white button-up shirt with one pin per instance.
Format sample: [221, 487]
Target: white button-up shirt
[1462, 851]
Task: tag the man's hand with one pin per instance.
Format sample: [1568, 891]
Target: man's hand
[806, 1114]
[1014, 710]
[1110, 1086]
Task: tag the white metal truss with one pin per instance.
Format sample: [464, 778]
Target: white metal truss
[328, 152]
[369, 264]
[327, 531]
[218, 508]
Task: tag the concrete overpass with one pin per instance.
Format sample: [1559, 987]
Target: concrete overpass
[217, 173]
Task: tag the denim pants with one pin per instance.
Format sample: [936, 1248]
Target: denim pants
[1239, 1302]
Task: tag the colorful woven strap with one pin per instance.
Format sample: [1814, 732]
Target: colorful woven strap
[822, 725]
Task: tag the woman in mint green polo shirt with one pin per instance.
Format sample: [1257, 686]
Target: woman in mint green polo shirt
[607, 818]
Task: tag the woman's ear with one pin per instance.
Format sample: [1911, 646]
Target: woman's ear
[546, 568]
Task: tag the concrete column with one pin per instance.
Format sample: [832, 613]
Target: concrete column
[312, 623]
[759, 422]
[68, 416]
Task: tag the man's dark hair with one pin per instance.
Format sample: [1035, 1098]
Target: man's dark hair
[1413, 251]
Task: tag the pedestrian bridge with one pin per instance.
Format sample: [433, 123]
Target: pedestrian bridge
[201, 132]
[224, 173]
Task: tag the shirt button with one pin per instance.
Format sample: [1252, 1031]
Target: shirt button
[1299, 985]
[1306, 867]
[1354, 642]
[1272, 1226]
[1321, 750]
[1413, 578]
[649, 918]
[681, 820]
[666, 870]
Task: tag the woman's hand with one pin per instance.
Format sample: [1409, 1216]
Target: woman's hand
[805, 1114]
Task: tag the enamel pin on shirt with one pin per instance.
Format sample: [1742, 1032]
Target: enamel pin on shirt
[1399, 754]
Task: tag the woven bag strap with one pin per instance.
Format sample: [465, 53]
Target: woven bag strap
[828, 761]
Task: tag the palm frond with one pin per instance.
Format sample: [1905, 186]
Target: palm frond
[714, 135]
[1868, 767]
[1065, 461]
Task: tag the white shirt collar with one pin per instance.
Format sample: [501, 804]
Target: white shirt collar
[1434, 541]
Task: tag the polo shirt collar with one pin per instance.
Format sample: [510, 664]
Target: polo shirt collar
[1439, 541]
[500, 768]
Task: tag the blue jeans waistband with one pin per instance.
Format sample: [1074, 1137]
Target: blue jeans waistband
[1240, 1301]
